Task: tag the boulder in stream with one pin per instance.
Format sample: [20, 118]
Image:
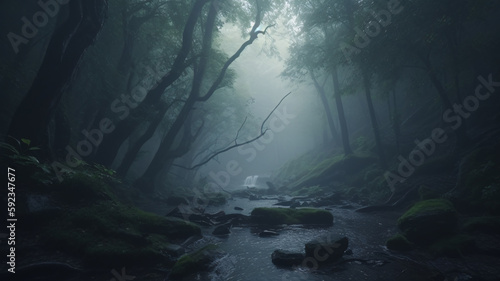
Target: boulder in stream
[327, 249]
[285, 258]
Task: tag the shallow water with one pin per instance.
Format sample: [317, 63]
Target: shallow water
[249, 256]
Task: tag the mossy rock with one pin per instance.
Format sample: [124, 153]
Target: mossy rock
[482, 224]
[274, 216]
[112, 234]
[83, 187]
[478, 189]
[198, 261]
[428, 221]
[453, 246]
[309, 191]
[399, 243]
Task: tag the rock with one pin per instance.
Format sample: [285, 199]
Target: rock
[238, 208]
[286, 258]
[327, 249]
[275, 216]
[268, 233]
[222, 230]
[193, 263]
[174, 250]
[398, 243]
[428, 221]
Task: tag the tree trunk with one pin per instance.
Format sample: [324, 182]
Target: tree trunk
[340, 110]
[326, 107]
[64, 52]
[108, 149]
[147, 180]
[373, 118]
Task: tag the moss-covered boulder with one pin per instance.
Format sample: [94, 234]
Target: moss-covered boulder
[399, 243]
[193, 263]
[112, 234]
[274, 216]
[428, 221]
[489, 225]
[478, 190]
[454, 246]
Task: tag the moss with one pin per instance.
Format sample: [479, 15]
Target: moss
[428, 220]
[291, 216]
[482, 224]
[453, 246]
[426, 193]
[194, 262]
[109, 233]
[399, 243]
[83, 187]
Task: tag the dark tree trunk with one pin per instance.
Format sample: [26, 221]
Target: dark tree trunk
[134, 149]
[461, 131]
[340, 110]
[112, 142]
[147, 180]
[373, 118]
[326, 107]
[66, 48]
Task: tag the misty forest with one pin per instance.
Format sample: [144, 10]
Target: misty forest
[250, 140]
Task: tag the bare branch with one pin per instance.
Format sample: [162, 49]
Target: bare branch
[262, 133]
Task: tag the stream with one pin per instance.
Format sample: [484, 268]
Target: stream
[249, 256]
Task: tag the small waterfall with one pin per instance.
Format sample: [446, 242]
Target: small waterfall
[251, 181]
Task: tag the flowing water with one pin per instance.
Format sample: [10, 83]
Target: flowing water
[249, 256]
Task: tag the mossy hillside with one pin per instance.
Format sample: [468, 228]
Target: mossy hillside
[274, 216]
[335, 167]
[197, 261]
[296, 168]
[315, 190]
[429, 220]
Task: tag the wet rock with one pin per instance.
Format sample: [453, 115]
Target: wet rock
[268, 233]
[398, 243]
[285, 258]
[275, 216]
[222, 230]
[193, 263]
[327, 249]
[238, 208]
[174, 250]
[428, 221]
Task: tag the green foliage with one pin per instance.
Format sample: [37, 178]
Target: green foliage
[291, 216]
[24, 156]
